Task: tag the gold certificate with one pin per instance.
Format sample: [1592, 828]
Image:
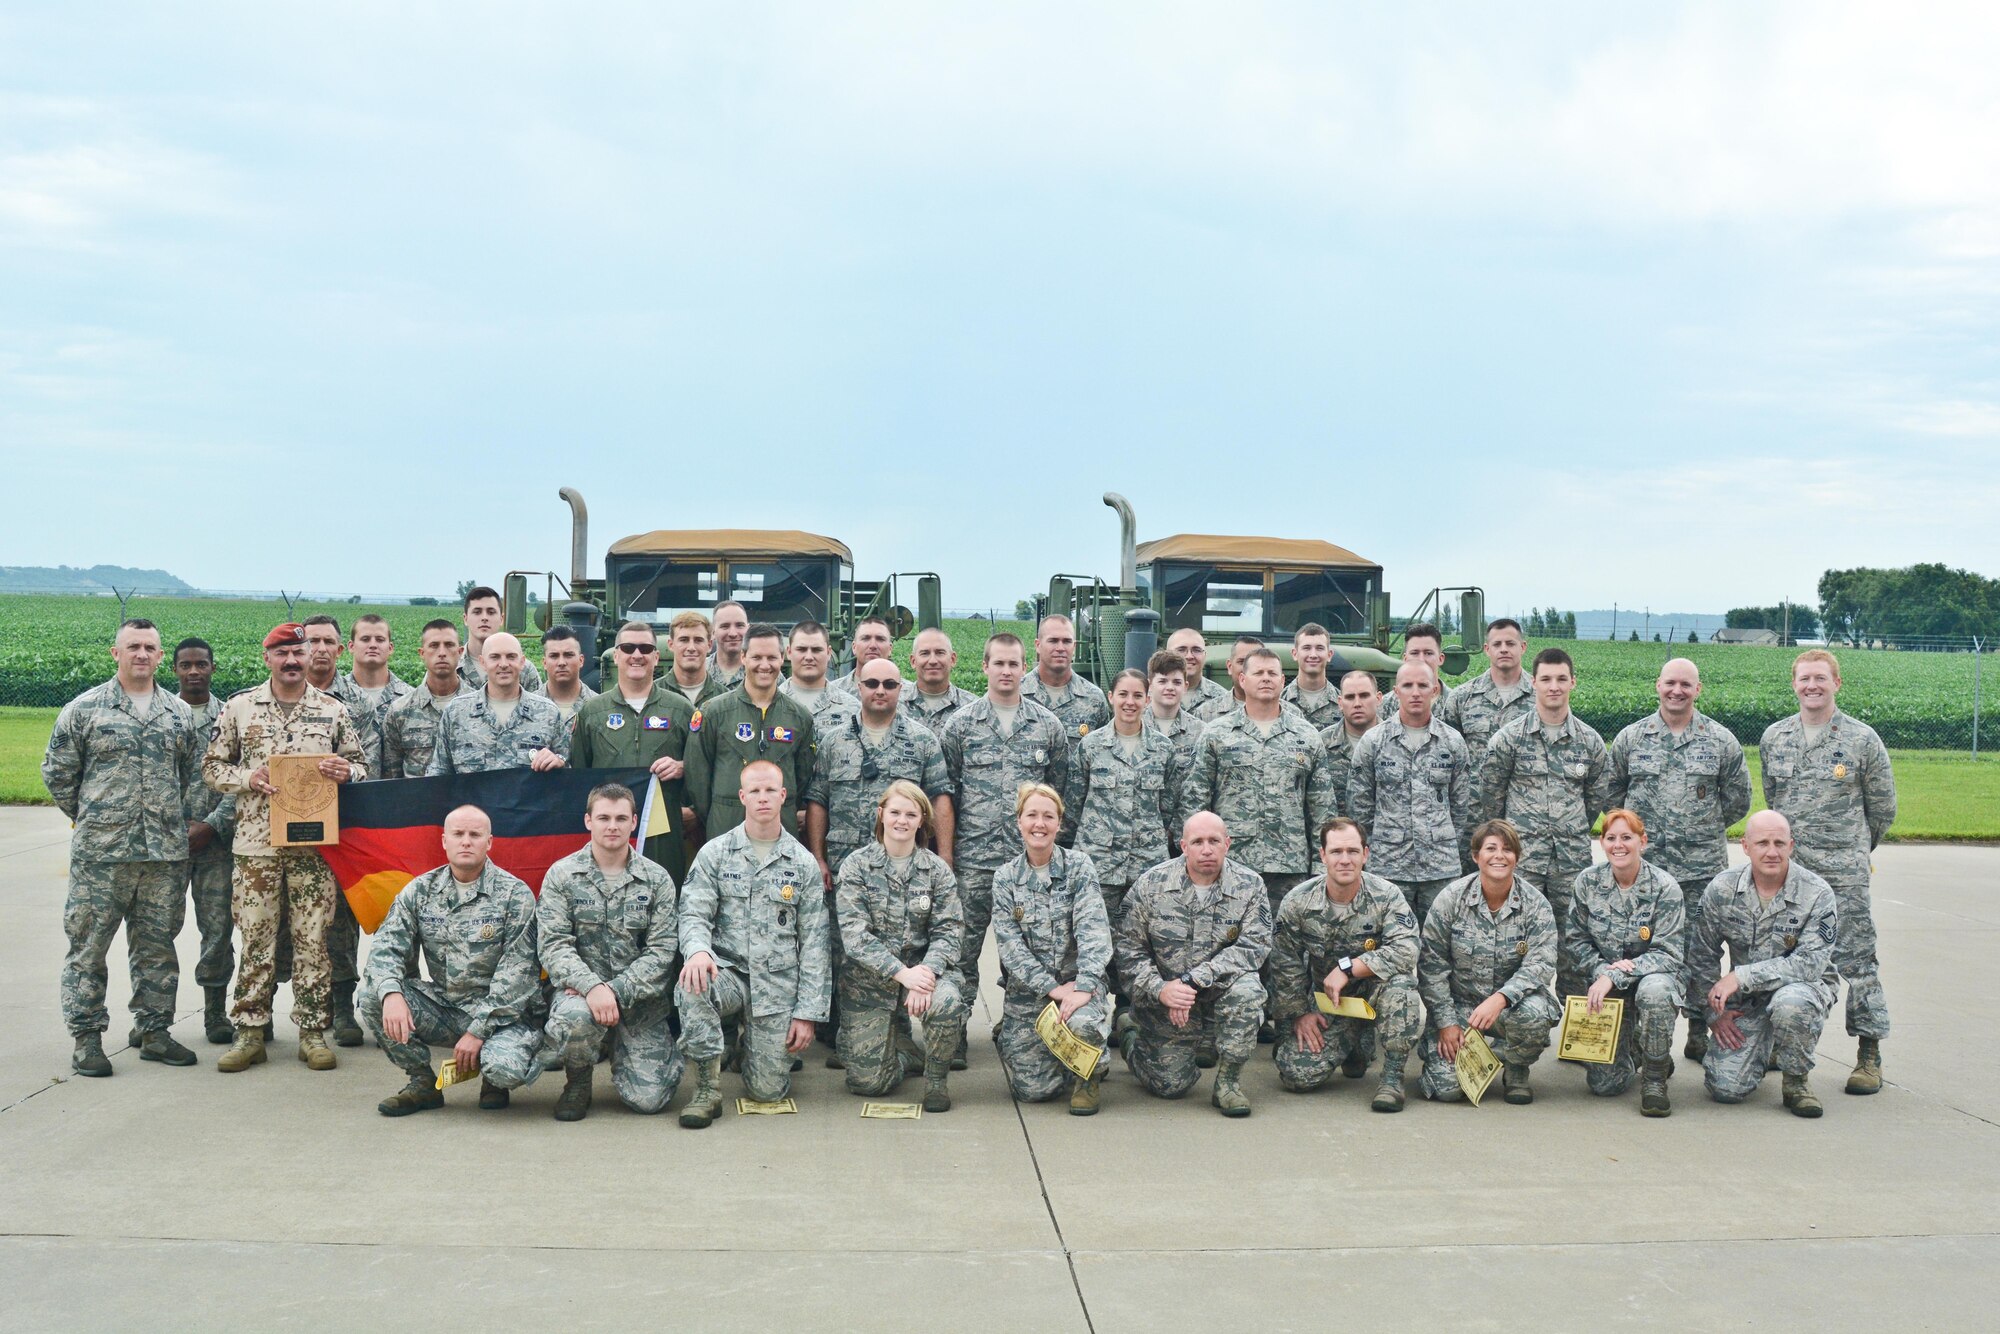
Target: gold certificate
[1476, 1065]
[1067, 1047]
[451, 1074]
[751, 1107]
[892, 1111]
[1587, 1037]
[305, 810]
[1348, 1007]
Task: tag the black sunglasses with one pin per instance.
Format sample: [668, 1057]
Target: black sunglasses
[880, 683]
[636, 650]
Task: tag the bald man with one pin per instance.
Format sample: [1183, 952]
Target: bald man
[500, 726]
[1188, 944]
[1080, 705]
[1202, 698]
[932, 699]
[1686, 777]
[475, 924]
[1779, 922]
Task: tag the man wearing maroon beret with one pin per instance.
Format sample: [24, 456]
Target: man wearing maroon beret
[284, 716]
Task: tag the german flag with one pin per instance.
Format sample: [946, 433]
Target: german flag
[393, 831]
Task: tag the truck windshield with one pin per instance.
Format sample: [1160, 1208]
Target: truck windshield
[1212, 599]
[782, 592]
[1337, 599]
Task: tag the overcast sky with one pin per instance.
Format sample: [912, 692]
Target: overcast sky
[1669, 306]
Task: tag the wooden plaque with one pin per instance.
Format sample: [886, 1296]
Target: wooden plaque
[305, 810]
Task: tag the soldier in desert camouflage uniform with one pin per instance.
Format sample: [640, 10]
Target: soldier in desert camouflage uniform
[901, 929]
[754, 932]
[121, 763]
[1345, 933]
[475, 927]
[1055, 945]
[1828, 774]
[1194, 932]
[1487, 961]
[1684, 775]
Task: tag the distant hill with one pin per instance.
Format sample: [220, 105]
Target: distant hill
[96, 579]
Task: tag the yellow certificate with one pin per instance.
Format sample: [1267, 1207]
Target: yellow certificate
[1348, 1007]
[893, 1111]
[1071, 1050]
[1592, 1038]
[451, 1074]
[1476, 1065]
[751, 1107]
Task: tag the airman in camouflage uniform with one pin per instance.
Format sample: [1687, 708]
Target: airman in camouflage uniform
[931, 698]
[409, 728]
[891, 918]
[1483, 705]
[472, 738]
[121, 767]
[1210, 938]
[872, 641]
[987, 767]
[1358, 696]
[617, 928]
[477, 936]
[758, 917]
[1268, 780]
[209, 867]
[1686, 777]
[1079, 703]
[1319, 933]
[483, 619]
[1413, 806]
[1125, 808]
[1644, 927]
[1470, 953]
[935, 711]
[850, 773]
[1781, 955]
[294, 883]
[1312, 692]
[1049, 924]
[1551, 781]
[732, 624]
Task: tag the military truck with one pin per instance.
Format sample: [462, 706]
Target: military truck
[1230, 586]
[782, 576]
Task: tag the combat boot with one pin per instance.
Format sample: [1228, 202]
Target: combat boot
[1800, 1098]
[1228, 1095]
[492, 1098]
[1204, 1055]
[706, 1104]
[1356, 1064]
[1697, 1043]
[89, 1058]
[1389, 1095]
[959, 1058]
[159, 1045]
[346, 1032]
[215, 1015]
[246, 1051]
[421, 1094]
[1867, 1076]
[911, 1054]
[937, 1095]
[313, 1051]
[1086, 1096]
[1514, 1079]
[1653, 1088]
[574, 1104]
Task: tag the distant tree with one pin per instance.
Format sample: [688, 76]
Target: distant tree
[1569, 625]
[1656, 636]
[423, 602]
[354, 601]
[1802, 621]
[1024, 609]
[1634, 637]
[1918, 601]
[1692, 638]
[464, 586]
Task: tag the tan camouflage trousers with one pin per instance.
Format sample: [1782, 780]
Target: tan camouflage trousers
[292, 883]
[1779, 1030]
[148, 900]
[1398, 1017]
[869, 1029]
[1163, 1056]
[343, 944]
[1647, 1034]
[1033, 1072]
[209, 875]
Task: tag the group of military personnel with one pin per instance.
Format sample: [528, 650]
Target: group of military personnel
[1181, 870]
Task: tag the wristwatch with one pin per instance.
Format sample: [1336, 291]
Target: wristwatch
[1346, 964]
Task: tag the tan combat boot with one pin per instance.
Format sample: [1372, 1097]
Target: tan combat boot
[937, 1090]
[1086, 1096]
[1653, 1088]
[314, 1052]
[421, 1094]
[1389, 1095]
[1514, 1080]
[1228, 1097]
[246, 1051]
[706, 1104]
[574, 1103]
[1867, 1076]
[1800, 1097]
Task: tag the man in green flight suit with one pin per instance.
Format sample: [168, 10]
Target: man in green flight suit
[750, 723]
[637, 723]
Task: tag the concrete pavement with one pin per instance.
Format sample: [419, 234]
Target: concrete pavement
[278, 1198]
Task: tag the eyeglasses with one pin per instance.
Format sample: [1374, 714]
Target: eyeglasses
[880, 683]
[638, 650]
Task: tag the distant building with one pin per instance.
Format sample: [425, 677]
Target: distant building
[1745, 637]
